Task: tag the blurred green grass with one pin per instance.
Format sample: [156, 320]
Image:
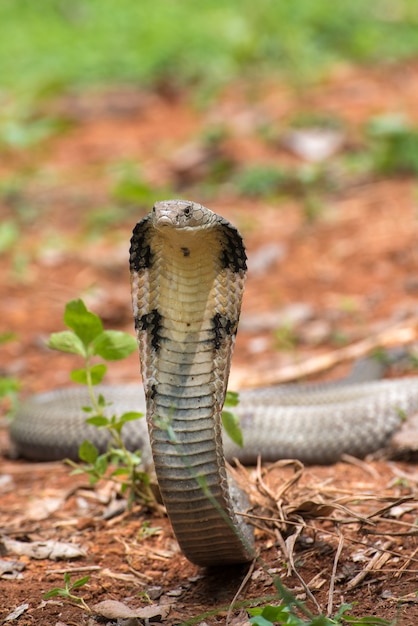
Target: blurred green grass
[54, 44]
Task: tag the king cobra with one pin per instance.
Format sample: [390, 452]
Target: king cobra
[188, 267]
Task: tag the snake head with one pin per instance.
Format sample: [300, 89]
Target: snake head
[181, 214]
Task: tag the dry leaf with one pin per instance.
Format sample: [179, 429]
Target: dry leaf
[41, 508]
[11, 569]
[112, 609]
[16, 613]
[310, 508]
[54, 550]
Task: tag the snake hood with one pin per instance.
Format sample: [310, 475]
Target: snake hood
[188, 267]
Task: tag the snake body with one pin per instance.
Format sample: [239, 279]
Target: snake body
[188, 268]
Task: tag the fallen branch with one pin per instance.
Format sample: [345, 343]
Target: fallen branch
[397, 335]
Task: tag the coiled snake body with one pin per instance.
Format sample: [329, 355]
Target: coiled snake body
[188, 268]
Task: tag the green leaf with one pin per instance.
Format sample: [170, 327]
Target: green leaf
[135, 458]
[7, 336]
[231, 424]
[9, 235]
[10, 386]
[93, 476]
[232, 398]
[321, 620]
[130, 416]
[113, 345]
[88, 452]
[275, 613]
[80, 582]
[86, 325]
[101, 401]
[259, 620]
[101, 464]
[98, 420]
[343, 610]
[270, 615]
[97, 373]
[366, 621]
[66, 341]
[57, 591]
[121, 471]
[77, 471]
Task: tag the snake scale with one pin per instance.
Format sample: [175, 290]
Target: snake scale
[188, 267]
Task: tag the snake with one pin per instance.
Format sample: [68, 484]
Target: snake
[188, 267]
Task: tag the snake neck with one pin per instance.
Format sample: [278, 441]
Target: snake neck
[186, 306]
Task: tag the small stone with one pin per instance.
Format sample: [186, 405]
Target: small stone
[315, 332]
[6, 483]
[154, 592]
[262, 259]
[314, 144]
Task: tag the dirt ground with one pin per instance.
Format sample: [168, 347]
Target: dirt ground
[315, 285]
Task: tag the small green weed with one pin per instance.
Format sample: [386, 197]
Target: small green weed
[24, 133]
[261, 181]
[9, 386]
[394, 145]
[21, 127]
[9, 235]
[285, 337]
[66, 591]
[104, 219]
[131, 189]
[147, 530]
[88, 339]
[307, 182]
[283, 614]
[230, 421]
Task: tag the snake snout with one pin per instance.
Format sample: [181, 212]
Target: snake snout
[177, 214]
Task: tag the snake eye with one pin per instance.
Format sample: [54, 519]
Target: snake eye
[187, 210]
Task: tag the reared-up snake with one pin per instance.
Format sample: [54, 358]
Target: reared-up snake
[188, 267]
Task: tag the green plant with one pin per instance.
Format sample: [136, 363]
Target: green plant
[147, 530]
[394, 145]
[285, 337]
[230, 420]
[9, 235]
[284, 614]
[260, 181]
[307, 182]
[9, 385]
[66, 591]
[88, 339]
[131, 189]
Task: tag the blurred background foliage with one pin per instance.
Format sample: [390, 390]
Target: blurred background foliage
[49, 45]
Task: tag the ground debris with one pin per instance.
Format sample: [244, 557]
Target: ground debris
[11, 569]
[54, 550]
[113, 609]
[42, 508]
[16, 613]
